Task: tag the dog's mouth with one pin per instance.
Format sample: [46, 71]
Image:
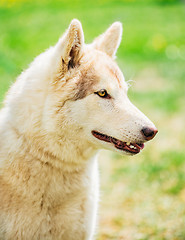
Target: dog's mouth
[133, 148]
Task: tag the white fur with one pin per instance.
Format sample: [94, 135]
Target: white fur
[48, 169]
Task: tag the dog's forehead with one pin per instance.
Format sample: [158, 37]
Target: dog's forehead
[108, 71]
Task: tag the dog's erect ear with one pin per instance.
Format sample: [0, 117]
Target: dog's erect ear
[109, 41]
[70, 45]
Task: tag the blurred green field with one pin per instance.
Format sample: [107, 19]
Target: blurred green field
[143, 197]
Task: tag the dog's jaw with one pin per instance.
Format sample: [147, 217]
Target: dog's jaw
[131, 148]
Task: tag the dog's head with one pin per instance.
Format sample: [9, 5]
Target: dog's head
[89, 88]
[78, 92]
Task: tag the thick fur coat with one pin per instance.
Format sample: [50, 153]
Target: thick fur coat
[69, 103]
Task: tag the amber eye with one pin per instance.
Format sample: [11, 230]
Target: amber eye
[103, 93]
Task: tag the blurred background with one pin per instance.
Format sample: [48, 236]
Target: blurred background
[142, 197]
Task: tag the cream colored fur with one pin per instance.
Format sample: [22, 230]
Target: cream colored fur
[48, 166]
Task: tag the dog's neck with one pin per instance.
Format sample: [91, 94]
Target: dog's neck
[69, 154]
[45, 163]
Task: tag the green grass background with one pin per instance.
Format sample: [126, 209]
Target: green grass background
[143, 197]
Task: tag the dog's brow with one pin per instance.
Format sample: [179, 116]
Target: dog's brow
[114, 72]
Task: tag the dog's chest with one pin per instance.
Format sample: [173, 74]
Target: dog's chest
[51, 206]
[67, 207]
[67, 220]
[64, 208]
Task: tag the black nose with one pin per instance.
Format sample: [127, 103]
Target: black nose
[149, 133]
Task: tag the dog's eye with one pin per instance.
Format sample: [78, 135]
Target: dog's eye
[103, 93]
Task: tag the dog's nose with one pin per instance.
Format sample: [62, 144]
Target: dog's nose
[149, 133]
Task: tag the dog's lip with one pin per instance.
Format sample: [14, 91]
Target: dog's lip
[133, 148]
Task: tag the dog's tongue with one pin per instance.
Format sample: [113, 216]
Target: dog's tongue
[116, 141]
[130, 147]
[118, 144]
[141, 145]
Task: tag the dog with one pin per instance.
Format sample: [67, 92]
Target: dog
[70, 102]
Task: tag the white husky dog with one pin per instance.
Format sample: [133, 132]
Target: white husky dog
[69, 103]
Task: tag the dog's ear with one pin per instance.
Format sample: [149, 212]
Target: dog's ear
[109, 41]
[70, 45]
